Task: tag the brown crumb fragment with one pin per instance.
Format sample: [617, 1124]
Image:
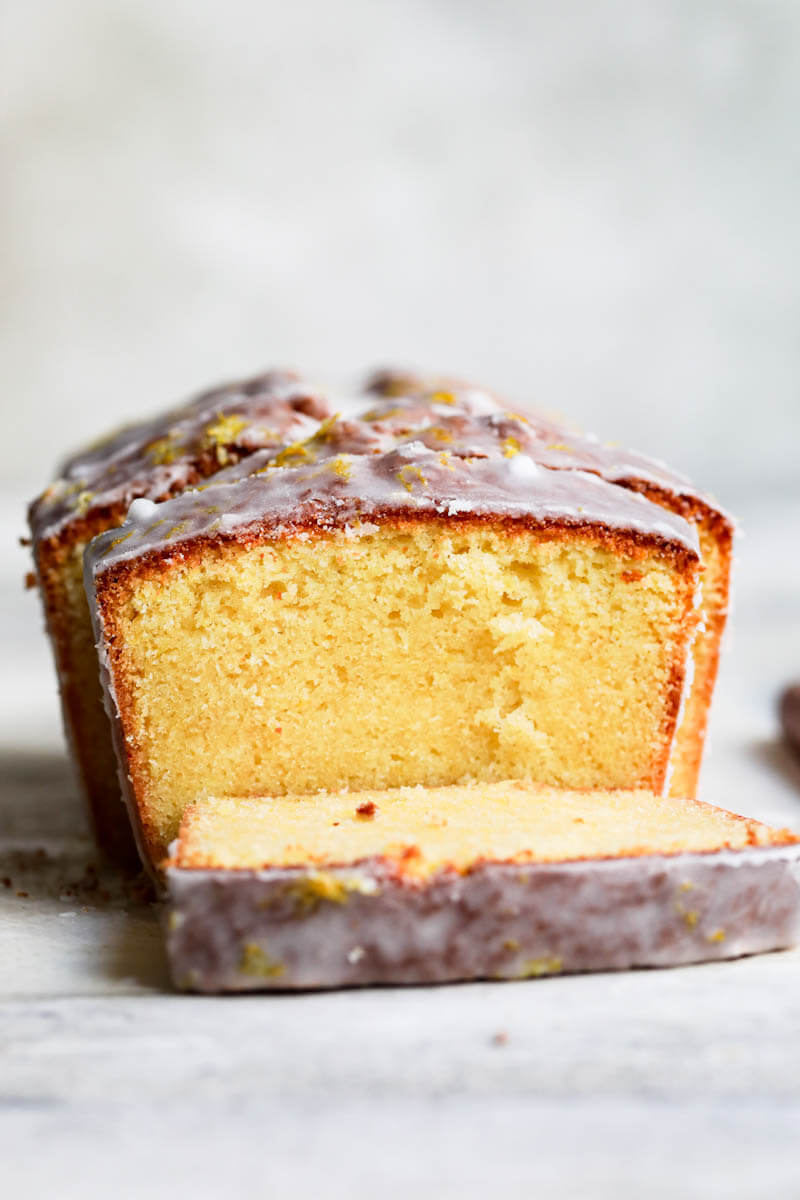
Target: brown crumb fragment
[6, 881]
[23, 895]
[30, 580]
[367, 810]
[500, 1038]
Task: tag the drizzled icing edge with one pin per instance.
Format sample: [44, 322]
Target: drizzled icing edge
[225, 427]
[349, 491]
[241, 930]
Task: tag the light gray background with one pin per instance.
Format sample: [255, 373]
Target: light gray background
[590, 205]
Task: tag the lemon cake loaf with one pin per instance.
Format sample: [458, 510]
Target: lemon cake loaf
[503, 881]
[386, 614]
[283, 419]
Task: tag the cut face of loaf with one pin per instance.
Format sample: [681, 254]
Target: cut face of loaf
[503, 880]
[318, 648]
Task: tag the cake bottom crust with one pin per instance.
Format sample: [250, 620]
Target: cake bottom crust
[239, 930]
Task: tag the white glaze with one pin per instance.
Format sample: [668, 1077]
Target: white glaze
[499, 920]
[336, 486]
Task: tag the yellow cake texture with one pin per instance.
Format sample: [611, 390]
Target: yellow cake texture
[421, 831]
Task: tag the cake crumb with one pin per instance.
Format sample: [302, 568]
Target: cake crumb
[500, 1038]
[23, 895]
[367, 810]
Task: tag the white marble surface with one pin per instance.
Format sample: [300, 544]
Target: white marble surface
[667, 1083]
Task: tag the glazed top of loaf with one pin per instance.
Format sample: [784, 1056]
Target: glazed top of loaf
[277, 411]
[435, 459]
[164, 454]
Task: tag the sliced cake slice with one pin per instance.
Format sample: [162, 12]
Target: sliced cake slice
[500, 881]
[390, 619]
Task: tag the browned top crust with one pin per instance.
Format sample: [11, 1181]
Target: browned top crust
[280, 414]
[165, 454]
[428, 452]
